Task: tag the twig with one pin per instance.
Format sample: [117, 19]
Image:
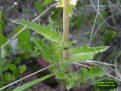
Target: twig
[94, 6]
[102, 6]
[26, 77]
[82, 65]
[112, 14]
[94, 24]
[101, 25]
[5, 44]
[100, 63]
[116, 68]
[90, 61]
[113, 77]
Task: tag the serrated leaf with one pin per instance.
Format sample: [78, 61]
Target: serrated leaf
[29, 84]
[82, 56]
[87, 49]
[41, 29]
[85, 52]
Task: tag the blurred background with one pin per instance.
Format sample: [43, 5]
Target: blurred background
[93, 22]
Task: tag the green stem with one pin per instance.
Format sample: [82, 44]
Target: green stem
[65, 26]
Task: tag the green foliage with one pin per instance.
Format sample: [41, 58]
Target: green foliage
[87, 49]
[42, 29]
[44, 48]
[85, 52]
[84, 74]
[47, 2]
[52, 52]
[109, 35]
[22, 68]
[51, 25]
[24, 39]
[91, 73]
[3, 67]
[12, 67]
[9, 70]
[29, 84]
[39, 6]
[96, 71]
[8, 76]
[72, 79]
[2, 38]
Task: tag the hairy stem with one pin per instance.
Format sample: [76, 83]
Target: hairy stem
[65, 26]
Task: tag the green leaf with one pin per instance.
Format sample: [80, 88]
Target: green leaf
[8, 76]
[16, 60]
[52, 25]
[82, 56]
[4, 65]
[12, 67]
[95, 72]
[29, 84]
[98, 72]
[85, 52]
[22, 68]
[41, 29]
[73, 79]
[60, 3]
[5, 50]
[84, 74]
[47, 2]
[109, 36]
[2, 38]
[70, 83]
[91, 73]
[24, 39]
[43, 48]
[38, 6]
[60, 75]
